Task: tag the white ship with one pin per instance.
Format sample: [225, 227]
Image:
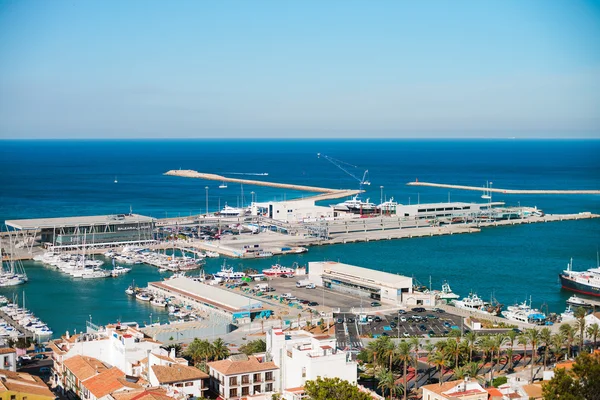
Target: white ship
[278, 270]
[228, 274]
[446, 293]
[475, 303]
[357, 206]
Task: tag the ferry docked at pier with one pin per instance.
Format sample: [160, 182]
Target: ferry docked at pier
[586, 282]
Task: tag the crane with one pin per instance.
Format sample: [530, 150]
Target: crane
[344, 167]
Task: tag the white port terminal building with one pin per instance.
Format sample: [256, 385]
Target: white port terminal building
[392, 289]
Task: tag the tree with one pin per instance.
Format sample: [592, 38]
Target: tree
[581, 383]
[496, 345]
[593, 331]
[523, 340]
[219, 349]
[546, 338]
[580, 314]
[333, 389]
[557, 345]
[438, 360]
[534, 337]
[198, 350]
[485, 344]
[511, 336]
[382, 349]
[404, 352]
[568, 333]
[255, 346]
[385, 379]
[176, 347]
[471, 338]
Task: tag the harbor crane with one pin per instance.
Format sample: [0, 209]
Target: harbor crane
[344, 167]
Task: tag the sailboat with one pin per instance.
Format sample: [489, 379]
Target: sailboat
[116, 181]
[223, 185]
[487, 194]
[12, 272]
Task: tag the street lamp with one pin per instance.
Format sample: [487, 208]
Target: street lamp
[381, 200]
[206, 200]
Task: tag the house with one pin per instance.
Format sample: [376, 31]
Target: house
[117, 345]
[241, 376]
[152, 393]
[593, 318]
[459, 389]
[90, 379]
[22, 386]
[304, 356]
[8, 359]
[533, 391]
[175, 375]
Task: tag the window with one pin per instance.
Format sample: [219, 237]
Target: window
[13, 397]
[256, 377]
[245, 390]
[187, 384]
[269, 387]
[232, 392]
[245, 379]
[233, 381]
[269, 376]
[179, 385]
[256, 389]
[304, 372]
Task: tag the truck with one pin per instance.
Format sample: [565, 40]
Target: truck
[261, 287]
[302, 283]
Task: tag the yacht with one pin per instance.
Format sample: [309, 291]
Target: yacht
[446, 293]
[143, 296]
[356, 206]
[388, 207]
[568, 315]
[228, 211]
[578, 302]
[475, 303]
[524, 313]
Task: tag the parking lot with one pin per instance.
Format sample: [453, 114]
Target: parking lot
[405, 323]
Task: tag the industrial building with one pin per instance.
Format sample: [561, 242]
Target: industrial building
[368, 283]
[299, 210]
[444, 210]
[88, 231]
[213, 299]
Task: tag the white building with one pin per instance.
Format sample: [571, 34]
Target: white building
[368, 283]
[175, 376]
[8, 359]
[240, 376]
[120, 346]
[303, 356]
[298, 210]
[461, 389]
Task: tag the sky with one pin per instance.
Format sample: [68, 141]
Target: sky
[299, 69]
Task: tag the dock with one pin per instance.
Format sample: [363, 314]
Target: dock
[327, 193]
[504, 191]
[24, 332]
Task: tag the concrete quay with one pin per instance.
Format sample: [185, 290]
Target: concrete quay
[505, 191]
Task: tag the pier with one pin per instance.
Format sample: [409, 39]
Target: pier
[505, 191]
[23, 332]
[327, 193]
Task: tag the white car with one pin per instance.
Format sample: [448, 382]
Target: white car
[403, 319]
[406, 334]
[311, 286]
[26, 357]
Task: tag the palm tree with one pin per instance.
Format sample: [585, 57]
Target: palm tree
[404, 352]
[568, 333]
[557, 345]
[456, 349]
[580, 314]
[299, 316]
[546, 338]
[471, 338]
[496, 343]
[440, 362]
[429, 348]
[593, 331]
[195, 350]
[511, 336]
[385, 380]
[523, 340]
[485, 344]
[473, 369]
[452, 349]
[219, 349]
[461, 372]
[534, 337]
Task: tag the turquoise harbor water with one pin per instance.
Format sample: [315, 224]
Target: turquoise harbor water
[69, 178]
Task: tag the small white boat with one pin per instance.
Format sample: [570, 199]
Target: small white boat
[130, 290]
[158, 301]
[578, 302]
[212, 254]
[143, 296]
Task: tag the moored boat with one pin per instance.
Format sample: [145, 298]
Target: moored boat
[278, 270]
[585, 282]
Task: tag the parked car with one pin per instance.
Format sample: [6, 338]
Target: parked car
[418, 309]
[313, 304]
[393, 324]
[375, 304]
[377, 319]
[40, 356]
[403, 319]
[406, 334]
[340, 321]
[45, 370]
[25, 357]
[401, 311]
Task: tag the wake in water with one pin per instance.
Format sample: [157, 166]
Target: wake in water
[248, 173]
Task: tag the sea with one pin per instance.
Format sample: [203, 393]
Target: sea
[56, 178]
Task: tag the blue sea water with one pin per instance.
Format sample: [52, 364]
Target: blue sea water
[70, 178]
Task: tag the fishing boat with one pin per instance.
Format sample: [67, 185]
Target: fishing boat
[131, 289]
[585, 282]
[158, 301]
[568, 315]
[278, 270]
[228, 273]
[143, 296]
[446, 293]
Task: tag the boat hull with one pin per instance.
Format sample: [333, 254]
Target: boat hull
[579, 287]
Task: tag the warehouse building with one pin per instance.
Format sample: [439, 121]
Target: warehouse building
[371, 284]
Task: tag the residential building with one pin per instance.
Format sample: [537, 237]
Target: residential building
[175, 375]
[117, 345]
[22, 386]
[241, 376]
[87, 378]
[153, 393]
[8, 359]
[303, 356]
[460, 389]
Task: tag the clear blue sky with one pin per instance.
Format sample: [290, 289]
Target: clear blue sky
[104, 69]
